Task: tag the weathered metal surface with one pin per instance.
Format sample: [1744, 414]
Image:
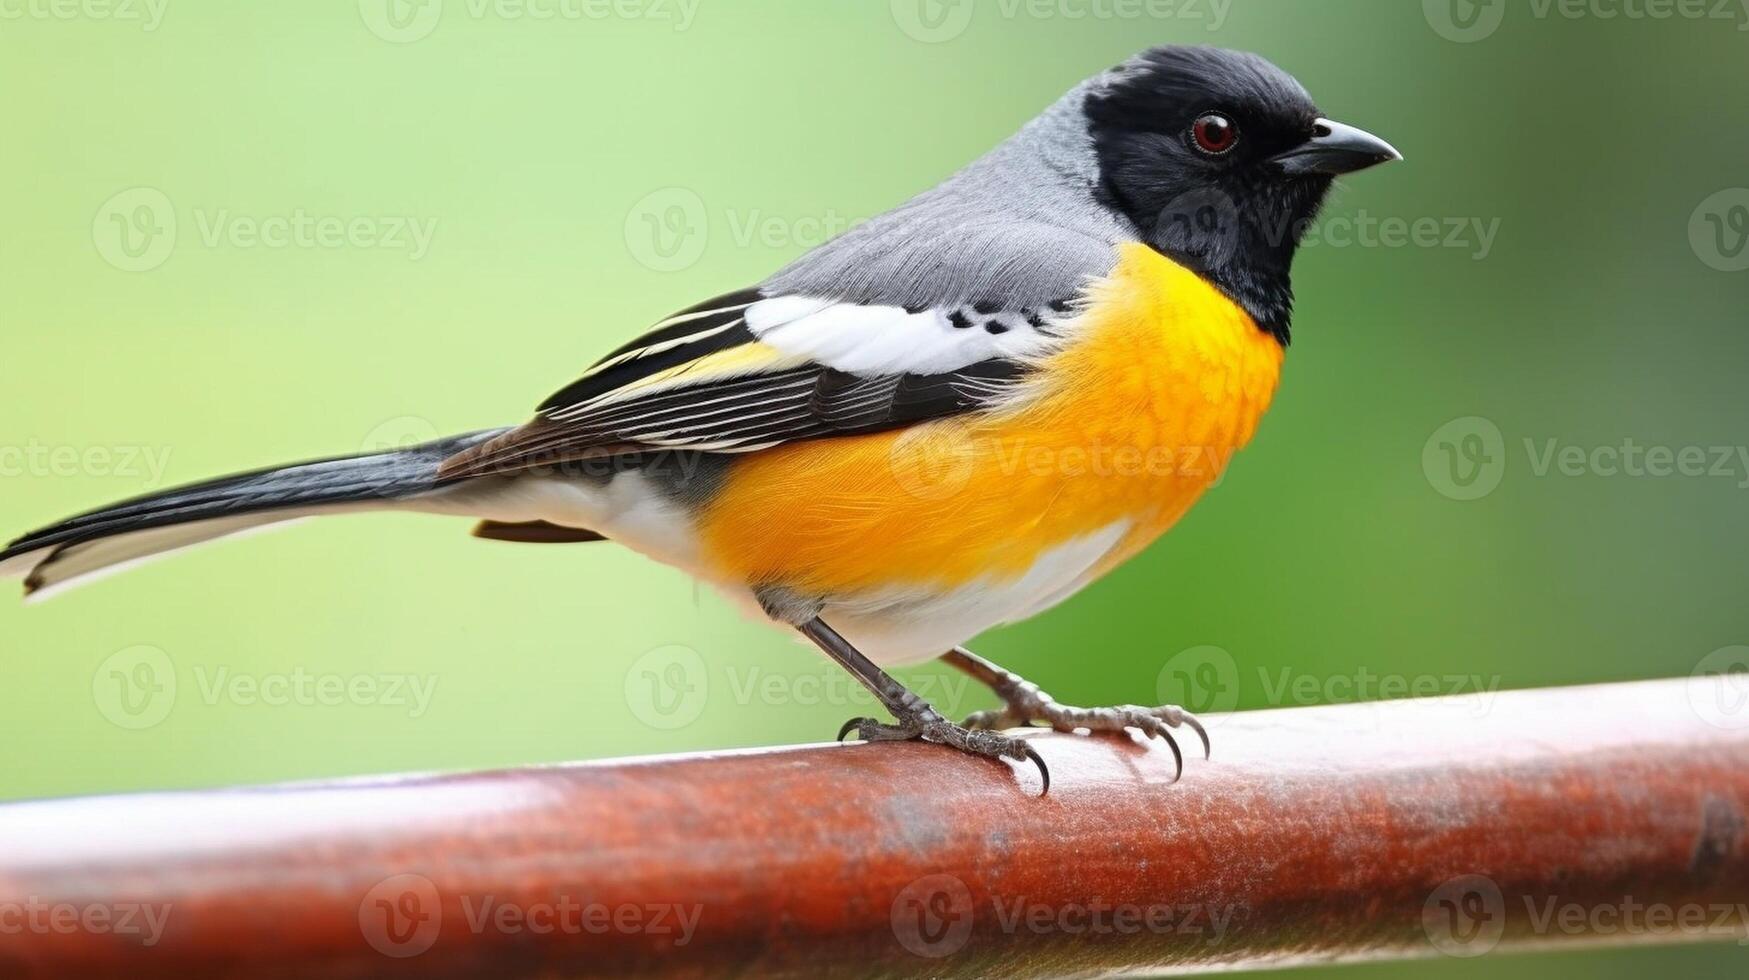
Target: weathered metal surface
[1600, 814]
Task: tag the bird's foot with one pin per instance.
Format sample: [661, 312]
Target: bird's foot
[1024, 704]
[924, 723]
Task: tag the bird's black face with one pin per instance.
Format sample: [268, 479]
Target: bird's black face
[1221, 160]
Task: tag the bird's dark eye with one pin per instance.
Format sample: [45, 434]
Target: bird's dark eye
[1214, 133]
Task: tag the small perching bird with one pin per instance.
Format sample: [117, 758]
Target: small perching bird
[951, 417]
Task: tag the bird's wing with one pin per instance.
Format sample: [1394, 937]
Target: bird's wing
[751, 370]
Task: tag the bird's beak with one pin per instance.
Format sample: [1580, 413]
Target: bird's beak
[1336, 148]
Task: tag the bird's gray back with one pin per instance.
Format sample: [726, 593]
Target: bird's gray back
[1020, 226]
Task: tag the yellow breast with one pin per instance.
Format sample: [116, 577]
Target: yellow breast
[1130, 422]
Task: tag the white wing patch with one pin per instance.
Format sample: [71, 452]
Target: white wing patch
[869, 340]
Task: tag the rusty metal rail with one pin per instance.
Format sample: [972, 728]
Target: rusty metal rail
[1580, 815]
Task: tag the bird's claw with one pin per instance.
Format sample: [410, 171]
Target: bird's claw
[926, 725]
[1024, 704]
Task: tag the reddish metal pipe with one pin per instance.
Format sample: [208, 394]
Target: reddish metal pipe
[1314, 834]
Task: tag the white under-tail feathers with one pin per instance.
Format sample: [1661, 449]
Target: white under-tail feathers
[50, 571]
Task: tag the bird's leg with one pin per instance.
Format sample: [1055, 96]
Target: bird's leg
[914, 717]
[1024, 704]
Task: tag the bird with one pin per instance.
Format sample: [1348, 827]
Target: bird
[950, 417]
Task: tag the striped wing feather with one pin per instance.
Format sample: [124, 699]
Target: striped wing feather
[707, 381]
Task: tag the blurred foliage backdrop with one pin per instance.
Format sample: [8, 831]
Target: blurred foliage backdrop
[239, 234]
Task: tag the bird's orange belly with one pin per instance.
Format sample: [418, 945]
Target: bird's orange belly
[1123, 428]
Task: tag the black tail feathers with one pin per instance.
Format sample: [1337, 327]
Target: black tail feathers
[163, 522]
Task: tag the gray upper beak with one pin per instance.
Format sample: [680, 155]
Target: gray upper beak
[1336, 148]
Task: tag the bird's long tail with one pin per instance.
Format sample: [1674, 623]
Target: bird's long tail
[120, 535]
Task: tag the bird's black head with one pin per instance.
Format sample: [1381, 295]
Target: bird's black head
[1221, 160]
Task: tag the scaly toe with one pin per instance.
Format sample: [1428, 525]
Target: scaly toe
[870, 730]
[1151, 722]
[995, 720]
[987, 743]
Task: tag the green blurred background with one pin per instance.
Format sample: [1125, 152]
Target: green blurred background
[579, 176]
